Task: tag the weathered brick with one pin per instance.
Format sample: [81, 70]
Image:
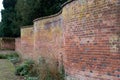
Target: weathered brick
[7, 44]
[85, 37]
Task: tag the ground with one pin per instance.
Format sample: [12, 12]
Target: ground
[7, 70]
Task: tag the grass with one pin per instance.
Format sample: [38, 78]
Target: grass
[7, 70]
[7, 65]
[7, 56]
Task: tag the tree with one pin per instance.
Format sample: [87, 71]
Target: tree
[9, 3]
[1, 30]
[8, 16]
[19, 13]
[29, 10]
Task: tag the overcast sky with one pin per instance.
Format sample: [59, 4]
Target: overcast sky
[1, 7]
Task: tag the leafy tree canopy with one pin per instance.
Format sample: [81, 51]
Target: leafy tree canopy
[19, 13]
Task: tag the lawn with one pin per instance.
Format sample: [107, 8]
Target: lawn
[7, 70]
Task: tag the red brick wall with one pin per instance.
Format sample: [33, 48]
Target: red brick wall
[86, 35]
[48, 38]
[92, 40]
[7, 44]
[25, 45]
[27, 42]
[18, 45]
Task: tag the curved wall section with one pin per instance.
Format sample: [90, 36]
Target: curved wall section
[92, 43]
[48, 37]
[84, 36]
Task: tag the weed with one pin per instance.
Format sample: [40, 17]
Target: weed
[13, 57]
[48, 70]
[40, 71]
[24, 68]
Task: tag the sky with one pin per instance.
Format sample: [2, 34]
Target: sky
[1, 7]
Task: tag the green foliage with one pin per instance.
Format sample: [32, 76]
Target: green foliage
[1, 29]
[31, 78]
[13, 57]
[9, 28]
[2, 56]
[9, 3]
[29, 10]
[24, 68]
[8, 56]
[19, 13]
[62, 72]
[39, 71]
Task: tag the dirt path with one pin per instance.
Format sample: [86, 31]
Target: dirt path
[7, 70]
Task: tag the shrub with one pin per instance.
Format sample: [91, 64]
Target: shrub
[13, 57]
[2, 56]
[7, 56]
[24, 68]
[40, 71]
[27, 70]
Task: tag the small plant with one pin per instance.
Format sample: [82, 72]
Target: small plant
[27, 70]
[40, 71]
[24, 68]
[2, 56]
[13, 57]
[31, 78]
[62, 72]
[47, 71]
[7, 56]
